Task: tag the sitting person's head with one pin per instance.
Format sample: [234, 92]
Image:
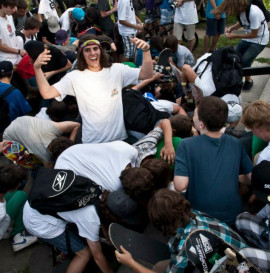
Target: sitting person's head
[32, 25]
[210, 114]
[256, 117]
[171, 42]
[156, 42]
[181, 125]
[34, 49]
[168, 210]
[138, 183]
[57, 111]
[58, 146]
[6, 70]
[11, 176]
[62, 37]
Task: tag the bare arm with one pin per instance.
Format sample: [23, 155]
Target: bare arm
[40, 17]
[180, 182]
[233, 27]
[245, 179]
[109, 12]
[99, 257]
[128, 24]
[142, 84]
[71, 127]
[45, 41]
[8, 49]
[46, 90]
[252, 34]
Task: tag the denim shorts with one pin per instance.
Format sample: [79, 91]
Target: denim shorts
[215, 27]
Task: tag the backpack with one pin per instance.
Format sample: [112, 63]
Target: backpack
[139, 114]
[226, 71]
[19, 33]
[261, 6]
[4, 110]
[62, 190]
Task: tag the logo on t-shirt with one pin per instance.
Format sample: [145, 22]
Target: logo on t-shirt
[9, 28]
[114, 93]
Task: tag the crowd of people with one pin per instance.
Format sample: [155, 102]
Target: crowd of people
[64, 69]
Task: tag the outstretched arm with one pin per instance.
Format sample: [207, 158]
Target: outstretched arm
[46, 90]
[157, 77]
[71, 127]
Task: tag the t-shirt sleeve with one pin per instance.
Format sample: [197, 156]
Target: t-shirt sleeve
[245, 164]
[255, 18]
[181, 162]
[121, 11]
[65, 87]
[130, 75]
[41, 7]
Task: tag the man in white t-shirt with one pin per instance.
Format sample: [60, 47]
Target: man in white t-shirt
[128, 24]
[9, 50]
[185, 17]
[97, 86]
[47, 9]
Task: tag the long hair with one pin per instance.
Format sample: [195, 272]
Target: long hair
[232, 7]
[168, 210]
[104, 57]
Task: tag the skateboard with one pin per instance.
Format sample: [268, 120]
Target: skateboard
[20, 155]
[209, 253]
[141, 247]
[164, 57]
[176, 72]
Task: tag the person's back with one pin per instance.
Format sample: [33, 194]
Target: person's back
[208, 166]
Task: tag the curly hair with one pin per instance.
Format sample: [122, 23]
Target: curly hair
[11, 176]
[160, 170]
[169, 210]
[104, 57]
[138, 183]
[59, 145]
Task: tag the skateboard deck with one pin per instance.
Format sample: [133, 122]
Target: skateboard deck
[209, 253]
[140, 246]
[164, 57]
[20, 155]
[176, 72]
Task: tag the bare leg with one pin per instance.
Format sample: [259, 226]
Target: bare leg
[160, 267]
[79, 261]
[206, 43]
[191, 44]
[214, 42]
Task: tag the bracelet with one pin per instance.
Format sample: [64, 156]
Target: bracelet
[19, 51]
[183, 83]
[146, 49]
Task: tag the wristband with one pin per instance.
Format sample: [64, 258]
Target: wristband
[19, 51]
[146, 49]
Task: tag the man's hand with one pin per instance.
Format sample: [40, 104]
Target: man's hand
[22, 52]
[125, 257]
[158, 77]
[230, 35]
[140, 44]
[3, 146]
[168, 153]
[228, 30]
[42, 59]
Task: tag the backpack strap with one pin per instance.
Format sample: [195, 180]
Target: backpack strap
[7, 92]
[208, 60]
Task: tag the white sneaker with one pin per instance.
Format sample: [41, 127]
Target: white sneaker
[21, 240]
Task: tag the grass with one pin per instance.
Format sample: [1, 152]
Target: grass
[263, 60]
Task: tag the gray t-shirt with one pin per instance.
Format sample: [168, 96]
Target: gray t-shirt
[33, 133]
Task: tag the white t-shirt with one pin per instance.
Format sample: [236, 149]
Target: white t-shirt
[4, 219]
[9, 38]
[164, 105]
[126, 12]
[99, 97]
[65, 20]
[265, 154]
[42, 114]
[256, 17]
[186, 14]
[102, 162]
[47, 8]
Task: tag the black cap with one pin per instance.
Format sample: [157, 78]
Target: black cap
[260, 180]
[6, 66]
[34, 48]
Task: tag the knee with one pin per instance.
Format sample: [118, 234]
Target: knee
[84, 254]
[186, 68]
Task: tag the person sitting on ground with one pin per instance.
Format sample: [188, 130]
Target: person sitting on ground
[97, 85]
[65, 42]
[37, 134]
[18, 105]
[48, 29]
[212, 188]
[171, 213]
[11, 207]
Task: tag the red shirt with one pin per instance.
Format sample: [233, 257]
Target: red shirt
[25, 68]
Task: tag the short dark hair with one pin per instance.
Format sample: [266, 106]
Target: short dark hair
[59, 145]
[10, 3]
[57, 110]
[32, 23]
[138, 183]
[22, 4]
[213, 112]
[181, 125]
[171, 42]
[156, 42]
[11, 176]
[104, 57]
[168, 210]
[5, 74]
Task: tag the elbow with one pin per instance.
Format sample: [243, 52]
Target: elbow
[146, 74]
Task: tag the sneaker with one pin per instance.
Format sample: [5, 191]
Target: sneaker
[21, 240]
[247, 85]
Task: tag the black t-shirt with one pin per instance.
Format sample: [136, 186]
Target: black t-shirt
[106, 23]
[44, 32]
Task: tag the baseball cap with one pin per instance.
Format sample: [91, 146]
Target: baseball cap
[61, 36]
[6, 66]
[123, 206]
[78, 14]
[53, 24]
[234, 107]
[260, 181]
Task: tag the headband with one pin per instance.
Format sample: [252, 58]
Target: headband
[90, 42]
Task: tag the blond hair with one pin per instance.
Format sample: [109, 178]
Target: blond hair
[231, 7]
[257, 115]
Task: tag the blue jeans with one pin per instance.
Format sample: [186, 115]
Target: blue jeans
[248, 52]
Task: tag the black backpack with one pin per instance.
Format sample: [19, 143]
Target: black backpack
[139, 114]
[226, 71]
[4, 110]
[62, 190]
[261, 6]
